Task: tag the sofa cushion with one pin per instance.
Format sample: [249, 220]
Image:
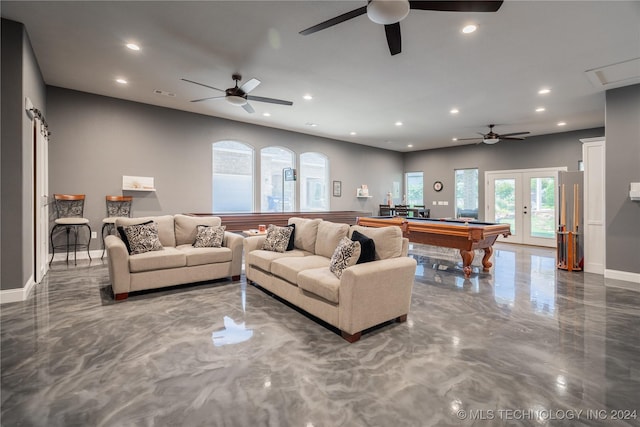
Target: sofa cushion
[345, 255]
[200, 256]
[306, 232]
[262, 259]
[321, 282]
[367, 247]
[388, 240]
[124, 238]
[209, 236]
[288, 268]
[277, 239]
[329, 235]
[157, 260]
[142, 238]
[186, 227]
[165, 227]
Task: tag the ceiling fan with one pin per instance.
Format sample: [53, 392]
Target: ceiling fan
[492, 137]
[239, 96]
[390, 12]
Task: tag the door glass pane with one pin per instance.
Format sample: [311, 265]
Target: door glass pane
[505, 202]
[314, 182]
[414, 188]
[542, 207]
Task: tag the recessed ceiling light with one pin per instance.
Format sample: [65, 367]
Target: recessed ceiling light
[454, 139]
[133, 46]
[544, 91]
[454, 111]
[562, 123]
[540, 109]
[266, 114]
[469, 29]
[308, 97]
[352, 133]
[410, 145]
[398, 123]
[121, 81]
[311, 124]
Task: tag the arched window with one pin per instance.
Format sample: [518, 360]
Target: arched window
[232, 177]
[314, 182]
[273, 162]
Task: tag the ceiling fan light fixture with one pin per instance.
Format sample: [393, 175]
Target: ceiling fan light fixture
[387, 12]
[236, 100]
[491, 141]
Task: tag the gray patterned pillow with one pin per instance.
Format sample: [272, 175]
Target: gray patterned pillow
[209, 236]
[277, 238]
[143, 238]
[345, 255]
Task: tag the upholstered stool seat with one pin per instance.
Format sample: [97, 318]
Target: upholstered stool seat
[69, 212]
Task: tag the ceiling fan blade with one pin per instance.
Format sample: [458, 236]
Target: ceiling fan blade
[250, 85]
[468, 139]
[334, 21]
[511, 137]
[202, 84]
[502, 135]
[394, 39]
[269, 100]
[457, 6]
[248, 108]
[206, 99]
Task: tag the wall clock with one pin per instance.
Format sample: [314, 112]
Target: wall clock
[437, 186]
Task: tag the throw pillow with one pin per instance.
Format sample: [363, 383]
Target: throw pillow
[123, 235]
[345, 255]
[367, 247]
[209, 236]
[291, 243]
[143, 238]
[277, 238]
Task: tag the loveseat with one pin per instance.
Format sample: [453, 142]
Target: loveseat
[365, 295]
[174, 260]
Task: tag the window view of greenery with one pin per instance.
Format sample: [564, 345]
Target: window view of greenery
[414, 185]
[232, 177]
[314, 182]
[505, 202]
[272, 162]
[467, 193]
[543, 207]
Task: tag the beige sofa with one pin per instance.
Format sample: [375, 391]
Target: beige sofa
[178, 262]
[366, 294]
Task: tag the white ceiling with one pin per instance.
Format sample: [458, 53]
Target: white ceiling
[491, 76]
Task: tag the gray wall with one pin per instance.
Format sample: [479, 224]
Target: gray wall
[96, 140]
[21, 78]
[554, 150]
[623, 167]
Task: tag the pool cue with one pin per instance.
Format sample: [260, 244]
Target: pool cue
[561, 228]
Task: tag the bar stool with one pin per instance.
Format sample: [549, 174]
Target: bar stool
[117, 206]
[69, 212]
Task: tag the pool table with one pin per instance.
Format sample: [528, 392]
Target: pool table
[466, 236]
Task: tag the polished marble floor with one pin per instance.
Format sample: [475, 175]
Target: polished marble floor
[524, 344]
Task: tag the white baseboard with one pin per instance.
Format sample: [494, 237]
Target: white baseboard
[18, 294]
[80, 255]
[626, 276]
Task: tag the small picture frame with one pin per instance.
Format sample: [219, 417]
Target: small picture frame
[337, 188]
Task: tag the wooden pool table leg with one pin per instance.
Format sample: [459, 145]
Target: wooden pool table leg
[467, 259]
[485, 259]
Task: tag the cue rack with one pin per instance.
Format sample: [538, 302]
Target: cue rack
[569, 254]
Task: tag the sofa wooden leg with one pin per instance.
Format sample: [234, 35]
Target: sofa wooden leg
[351, 338]
[235, 278]
[401, 319]
[122, 296]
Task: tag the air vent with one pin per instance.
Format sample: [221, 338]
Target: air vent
[164, 93]
[615, 75]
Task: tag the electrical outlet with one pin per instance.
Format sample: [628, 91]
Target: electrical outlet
[94, 234]
[435, 203]
[446, 203]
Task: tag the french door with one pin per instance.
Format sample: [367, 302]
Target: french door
[525, 199]
[41, 204]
